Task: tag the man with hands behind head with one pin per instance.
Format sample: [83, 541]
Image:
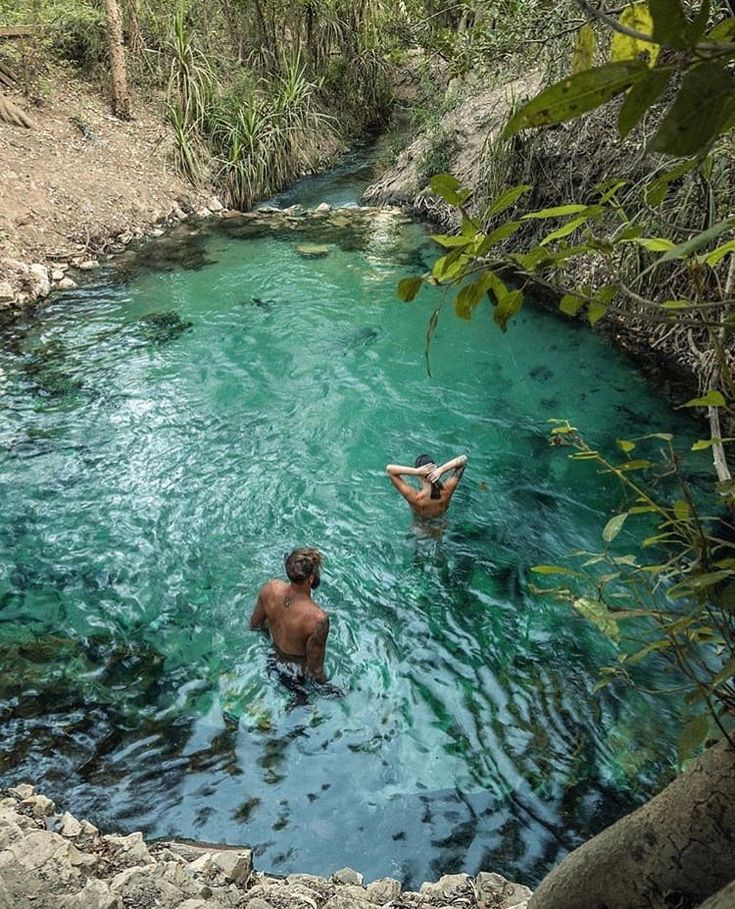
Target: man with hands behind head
[433, 496]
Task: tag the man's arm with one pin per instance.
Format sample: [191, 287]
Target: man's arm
[257, 619]
[316, 645]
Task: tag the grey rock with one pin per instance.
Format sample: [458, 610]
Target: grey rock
[95, 895]
[70, 826]
[447, 887]
[347, 876]
[141, 886]
[89, 829]
[353, 892]
[57, 274]
[258, 902]
[384, 890]
[6, 901]
[42, 852]
[325, 206]
[67, 284]
[197, 904]
[156, 232]
[496, 891]
[88, 265]
[125, 238]
[319, 885]
[342, 900]
[214, 204]
[10, 833]
[7, 293]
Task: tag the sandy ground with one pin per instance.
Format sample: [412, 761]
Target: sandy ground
[81, 176]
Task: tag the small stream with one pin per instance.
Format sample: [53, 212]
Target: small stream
[218, 398]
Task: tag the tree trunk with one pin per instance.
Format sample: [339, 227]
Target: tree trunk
[681, 845]
[120, 94]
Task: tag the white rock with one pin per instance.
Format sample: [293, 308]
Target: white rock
[67, 284]
[347, 876]
[196, 904]
[42, 851]
[88, 264]
[179, 214]
[79, 859]
[447, 887]
[214, 204]
[343, 901]
[6, 295]
[89, 829]
[353, 892]
[125, 238]
[39, 280]
[132, 846]
[70, 826]
[325, 206]
[203, 213]
[257, 902]
[203, 864]
[40, 805]
[235, 865]
[384, 890]
[57, 274]
[156, 232]
[495, 890]
[9, 834]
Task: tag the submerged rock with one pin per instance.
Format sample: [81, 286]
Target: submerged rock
[162, 327]
[313, 250]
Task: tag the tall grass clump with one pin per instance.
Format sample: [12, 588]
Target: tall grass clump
[192, 87]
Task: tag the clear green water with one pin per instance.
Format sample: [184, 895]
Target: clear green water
[152, 476]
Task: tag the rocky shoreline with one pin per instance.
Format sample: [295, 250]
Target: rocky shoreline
[51, 860]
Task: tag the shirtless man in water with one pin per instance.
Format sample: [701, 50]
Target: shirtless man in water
[433, 497]
[297, 626]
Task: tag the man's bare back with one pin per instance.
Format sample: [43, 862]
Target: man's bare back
[297, 626]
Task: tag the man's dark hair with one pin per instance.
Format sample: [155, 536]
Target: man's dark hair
[301, 564]
[436, 488]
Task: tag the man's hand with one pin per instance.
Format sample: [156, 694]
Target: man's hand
[434, 474]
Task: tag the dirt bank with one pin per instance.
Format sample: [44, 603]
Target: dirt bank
[79, 180]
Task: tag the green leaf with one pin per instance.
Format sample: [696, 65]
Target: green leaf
[724, 675]
[571, 304]
[656, 190]
[557, 212]
[713, 398]
[500, 233]
[625, 47]
[470, 296]
[676, 304]
[718, 254]
[596, 311]
[507, 308]
[682, 511]
[579, 93]
[702, 444]
[670, 25]
[697, 582]
[625, 445]
[455, 240]
[692, 736]
[698, 113]
[564, 231]
[408, 288]
[598, 613]
[508, 198]
[584, 49]
[497, 287]
[652, 244]
[640, 97]
[636, 464]
[555, 569]
[723, 31]
[448, 187]
[613, 527]
[697, 242]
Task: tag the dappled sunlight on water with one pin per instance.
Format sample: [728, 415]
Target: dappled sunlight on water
[169, 433]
